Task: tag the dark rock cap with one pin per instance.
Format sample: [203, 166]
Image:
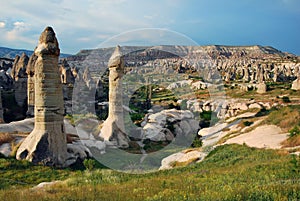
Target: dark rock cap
[116, 58]
[48, 44]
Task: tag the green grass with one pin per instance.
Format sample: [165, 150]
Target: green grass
[285, 117]
[230, 172]
[17, 174]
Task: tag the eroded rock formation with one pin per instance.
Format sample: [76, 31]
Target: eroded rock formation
[30, 85]
[113, 128]
[47, 144]
[19, 75]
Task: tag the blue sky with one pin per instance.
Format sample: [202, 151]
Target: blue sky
[84, 24]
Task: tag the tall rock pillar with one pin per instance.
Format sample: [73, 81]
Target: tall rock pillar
[46, 144]
[30, 85]
[113, 128]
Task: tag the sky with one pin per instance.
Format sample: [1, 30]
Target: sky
[86, 24]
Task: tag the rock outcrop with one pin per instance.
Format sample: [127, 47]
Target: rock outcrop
[1, 109]
[47, 144]
[19, 75]
[30, 85]
[296, 83]
[168, 124]
[113, 128]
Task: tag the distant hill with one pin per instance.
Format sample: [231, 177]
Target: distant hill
[11, 53]
[212, 50]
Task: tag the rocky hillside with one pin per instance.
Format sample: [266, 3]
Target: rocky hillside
[10, 53]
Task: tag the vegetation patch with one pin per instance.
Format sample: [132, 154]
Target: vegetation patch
[230, 172]
[285, 117]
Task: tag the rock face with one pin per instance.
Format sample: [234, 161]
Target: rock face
[261, 88]
[1, 109]
[181, 158]
[47, 144]
[168, 124]
[113, 128]
[19, 75]
[30, 84]
[296, 84]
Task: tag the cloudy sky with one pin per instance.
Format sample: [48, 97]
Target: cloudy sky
[83, 24]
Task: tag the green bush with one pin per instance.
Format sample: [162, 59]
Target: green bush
[286, 99]
[89, 164]
[294, 131]
[197, 142]
[247, 123]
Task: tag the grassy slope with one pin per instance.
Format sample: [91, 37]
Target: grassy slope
[231, 172]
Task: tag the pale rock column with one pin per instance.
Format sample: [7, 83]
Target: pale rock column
[1, 109]
[47, 144]
[261, 86]
[30, 85]
[113, 128]
[296, 83]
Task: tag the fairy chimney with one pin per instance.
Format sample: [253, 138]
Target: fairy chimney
[113, 128]
[30, 85]
[46, 144]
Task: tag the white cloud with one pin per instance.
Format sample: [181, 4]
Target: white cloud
[2, 24]
[83, 20]
[19, 33]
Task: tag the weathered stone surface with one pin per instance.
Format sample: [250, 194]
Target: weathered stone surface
[113, 128]
[30, 85]
[181, 158]
[66, 74]
[156, 125]
[296, 84]
[1, 109]
[19, 75]
[47, 144]
[261, 88]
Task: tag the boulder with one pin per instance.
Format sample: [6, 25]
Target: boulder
[181, 158]
[261, 88]
[296, 84]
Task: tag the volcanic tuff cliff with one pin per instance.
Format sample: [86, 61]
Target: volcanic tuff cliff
[231, 62]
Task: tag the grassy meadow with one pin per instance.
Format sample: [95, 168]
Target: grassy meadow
[230, 172]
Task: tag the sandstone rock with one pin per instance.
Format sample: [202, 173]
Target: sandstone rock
[206, 132]
[113, 127]
[255, 106]
[19, 75]
[66, 74]
[76, 153]
[261, 88]
[47, 144]
[156, 125]
[30, 85]
[240, 106]
[1, 109]
[296, 84]
[45, 185]
[181, 158]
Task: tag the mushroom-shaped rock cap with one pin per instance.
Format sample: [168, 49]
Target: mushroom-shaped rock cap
[48, 44]
[116, 58]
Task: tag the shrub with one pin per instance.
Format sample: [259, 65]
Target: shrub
[247, 123]
[295, 163]
[286, 99]
[89, 164]
[197, 142]
[294, 131]
[137, 116]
